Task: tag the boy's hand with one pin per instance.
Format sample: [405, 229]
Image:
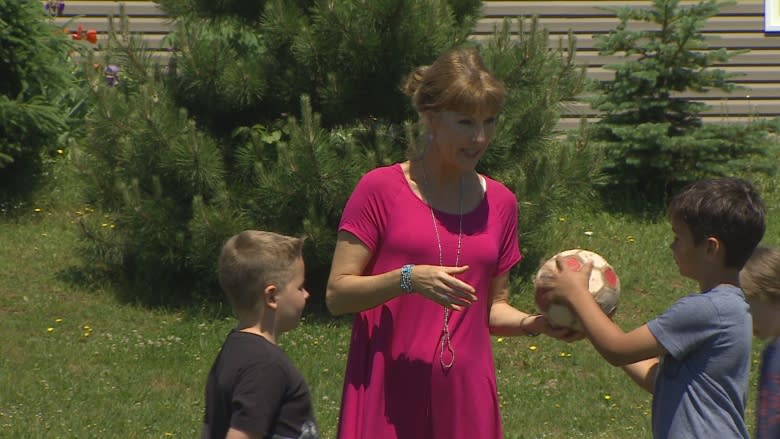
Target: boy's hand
[569, 279]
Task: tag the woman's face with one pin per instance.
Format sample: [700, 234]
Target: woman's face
[461, 138]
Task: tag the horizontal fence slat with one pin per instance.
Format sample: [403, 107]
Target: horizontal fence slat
[605, 24]
[747, 73]
[566, 123]
[769, 57]
[160, 24]
[574, 8]
[738, 26]
[718, 107]
[721, 40]
[105, 8]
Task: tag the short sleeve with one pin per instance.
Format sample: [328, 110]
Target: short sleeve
[257, 398]
[685, 325]
[509, 251]
[363, 214]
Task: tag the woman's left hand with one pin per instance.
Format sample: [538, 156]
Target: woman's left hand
[541, 325]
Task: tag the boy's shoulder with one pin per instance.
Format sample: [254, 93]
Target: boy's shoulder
[246, 348]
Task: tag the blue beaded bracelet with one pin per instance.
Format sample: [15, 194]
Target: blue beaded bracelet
[406, 278]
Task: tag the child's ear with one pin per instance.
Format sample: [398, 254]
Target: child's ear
[713, 245]
[269, 296]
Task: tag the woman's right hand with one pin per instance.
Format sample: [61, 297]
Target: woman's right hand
[440, 285]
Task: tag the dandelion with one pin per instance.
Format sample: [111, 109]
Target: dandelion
[532, 347]
[607, 397]
[49, 329]
[58, 320]
[60, 151]
[500, 340]
[564, 354]
[630, 239]
[562, 219]
[104, 225]
[37, 210]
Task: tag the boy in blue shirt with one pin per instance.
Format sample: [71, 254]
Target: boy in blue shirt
[694, 357]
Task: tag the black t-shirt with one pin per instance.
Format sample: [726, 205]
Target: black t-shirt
[254, 387]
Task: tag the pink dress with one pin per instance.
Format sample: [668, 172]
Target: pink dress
[395, 385]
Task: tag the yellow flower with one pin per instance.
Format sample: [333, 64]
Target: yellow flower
[562, 218]
[630, 239]
[104, 225]
[37, 209]
[168, 434]
[607, 397]
[532, 347]
[58, 320]
[500, 340]
[60, 151]
[49, 329]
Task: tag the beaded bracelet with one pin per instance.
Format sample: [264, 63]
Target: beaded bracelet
[406, 278]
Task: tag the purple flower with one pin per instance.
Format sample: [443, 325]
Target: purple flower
[111, 71]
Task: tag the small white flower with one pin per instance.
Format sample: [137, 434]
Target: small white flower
[588, 233]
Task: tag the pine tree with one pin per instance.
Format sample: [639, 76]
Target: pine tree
[268, 115]
[36, 75]
[653, 136]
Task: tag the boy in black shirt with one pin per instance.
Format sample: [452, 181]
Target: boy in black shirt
[253, 390]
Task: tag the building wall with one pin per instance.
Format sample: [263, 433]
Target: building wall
[739, 26]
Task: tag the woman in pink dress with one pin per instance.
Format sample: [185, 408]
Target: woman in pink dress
[423, 258]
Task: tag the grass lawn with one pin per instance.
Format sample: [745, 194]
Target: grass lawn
[75, 362]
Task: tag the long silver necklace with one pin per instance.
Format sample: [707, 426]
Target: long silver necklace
[445, 347]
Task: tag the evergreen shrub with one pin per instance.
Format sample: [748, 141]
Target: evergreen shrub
[180, 157]
[652, 135]
[36, 76]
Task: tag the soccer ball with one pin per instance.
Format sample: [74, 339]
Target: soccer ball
[604, 285]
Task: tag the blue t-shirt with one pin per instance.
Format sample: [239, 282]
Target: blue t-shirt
[768, 413]
[702, 382]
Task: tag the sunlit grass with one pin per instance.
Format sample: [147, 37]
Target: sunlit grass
[77, 362]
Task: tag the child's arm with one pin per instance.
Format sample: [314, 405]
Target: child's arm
[643, 373]
[617, 347]
[238, 434]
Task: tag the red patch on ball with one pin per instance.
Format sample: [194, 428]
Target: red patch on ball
[611, 277]
[573, 262]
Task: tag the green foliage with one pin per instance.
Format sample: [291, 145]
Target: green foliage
[236, 70]
[653, 136]
[33, 92]
[183, 157]
[160, 181]
[542, 167]
[145, 369]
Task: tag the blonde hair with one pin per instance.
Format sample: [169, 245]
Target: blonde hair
[760, 278]
[457, 81]
[252, 260]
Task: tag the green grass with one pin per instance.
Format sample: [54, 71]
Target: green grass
[75, 362]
